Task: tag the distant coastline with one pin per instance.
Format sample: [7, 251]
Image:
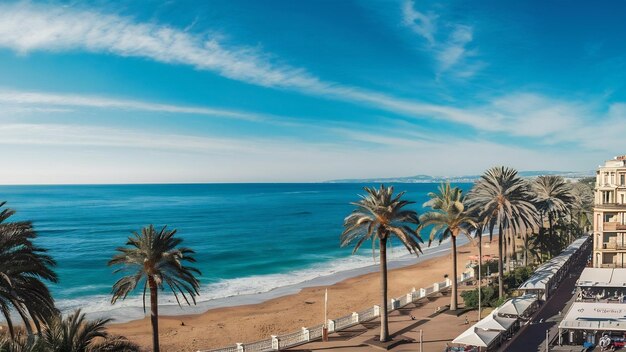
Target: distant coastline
[570, 175]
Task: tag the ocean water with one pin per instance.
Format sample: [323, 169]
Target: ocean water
[252, 241]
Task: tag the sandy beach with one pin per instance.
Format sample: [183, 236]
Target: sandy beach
[225, 326]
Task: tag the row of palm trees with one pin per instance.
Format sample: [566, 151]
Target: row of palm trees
[500, 201]
[152, 259]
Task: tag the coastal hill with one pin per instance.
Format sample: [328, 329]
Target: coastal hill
[570, 175]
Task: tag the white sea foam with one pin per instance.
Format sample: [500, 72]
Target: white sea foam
[246, 290]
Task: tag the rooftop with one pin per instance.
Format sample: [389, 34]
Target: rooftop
[593, 315]
[602, 277]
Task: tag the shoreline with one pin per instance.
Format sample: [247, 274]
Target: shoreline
[293, 307]
[124, 314]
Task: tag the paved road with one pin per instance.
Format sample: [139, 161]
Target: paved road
[532, 337]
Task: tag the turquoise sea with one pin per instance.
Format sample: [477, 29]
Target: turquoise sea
[253, 241]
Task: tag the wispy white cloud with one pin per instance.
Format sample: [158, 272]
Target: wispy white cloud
[44, 153]
[516, 114]
[453, 51]
[421, 23]
[448, 43]
[96, 136]
[32, 101]
[26, 27]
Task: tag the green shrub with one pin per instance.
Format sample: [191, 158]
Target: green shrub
[490, 266]
[513, 279]
[489, 296]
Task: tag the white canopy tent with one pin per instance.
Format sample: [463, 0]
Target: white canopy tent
[595, 316]
[595, 277]
[543, 279]
[477, 337]
[487, 331]
[518, 305]
[495, 322]
[619, 277]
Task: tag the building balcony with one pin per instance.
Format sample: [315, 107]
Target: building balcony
[610, 206]
[606, 246]
[613, 226]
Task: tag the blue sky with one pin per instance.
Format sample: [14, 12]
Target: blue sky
[273, 91]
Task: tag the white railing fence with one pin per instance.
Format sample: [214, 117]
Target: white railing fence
[275, 343]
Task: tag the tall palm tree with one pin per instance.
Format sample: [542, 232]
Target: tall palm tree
[23, 268]
[553, 198]
[503, 200]
[448, 219]
[583, 205]
[379, 216]
[155, 259]
[76, 334]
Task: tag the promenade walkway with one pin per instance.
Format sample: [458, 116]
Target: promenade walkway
[438, 329]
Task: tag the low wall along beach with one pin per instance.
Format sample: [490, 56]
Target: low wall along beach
[304, 335]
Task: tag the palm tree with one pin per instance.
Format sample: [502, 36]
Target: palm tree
[72, 334]
[379, 216]
[554, 197]
[18, 343]
[23, 266]
[583, 205]
[448, 218]
[154, 258]
[503, 200]
[76, 334]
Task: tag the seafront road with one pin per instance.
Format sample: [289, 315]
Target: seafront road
[532, 337]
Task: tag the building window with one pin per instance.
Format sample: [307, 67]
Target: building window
[606, 197]
[621, 178]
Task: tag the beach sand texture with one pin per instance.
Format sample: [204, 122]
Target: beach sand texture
[225, 326]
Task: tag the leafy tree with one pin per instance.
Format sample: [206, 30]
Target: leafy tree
[153, 258]
[380, 215]
[518, 276]
[489, 297]
[448, 219]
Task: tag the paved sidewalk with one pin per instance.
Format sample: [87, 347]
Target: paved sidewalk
[438, 329]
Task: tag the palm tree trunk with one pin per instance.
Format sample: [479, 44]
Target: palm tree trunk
[480, 277]
[550, 225]
[154, 314]
[507, 260]
[500, 264]
[384, 326]
[454, 275]
[526, 248]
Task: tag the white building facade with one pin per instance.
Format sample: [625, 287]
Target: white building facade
[609, 248]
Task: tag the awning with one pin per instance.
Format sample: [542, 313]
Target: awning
[544, 273]
[495, 322]
[596, 316]
[595, 277]
[518, 305]
[487, 330]
[477, 337]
